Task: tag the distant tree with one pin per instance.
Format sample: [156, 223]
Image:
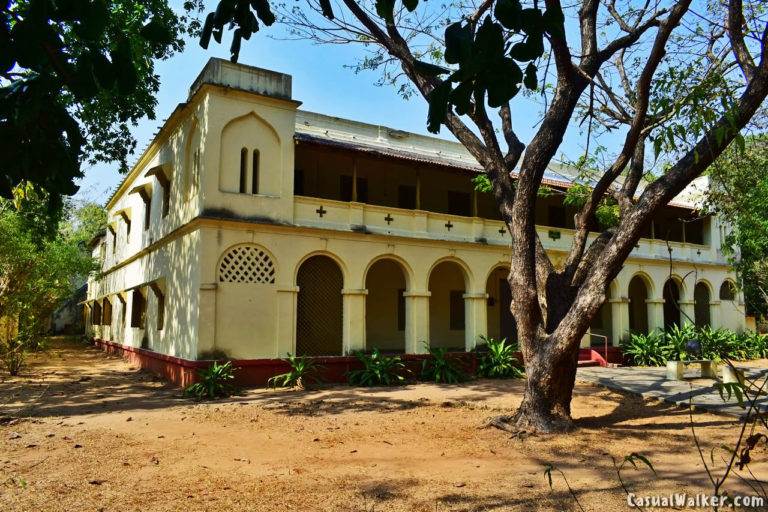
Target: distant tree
[740, 196]
[691, 77]
[75, 75]
[83, 221]
[38, 269]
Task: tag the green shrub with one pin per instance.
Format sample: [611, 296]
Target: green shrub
[646, 349]
[303, 372]
[658, 347]
[441, 368]
[499, 361]
[215, 382]
[13, 352]
[378, 370]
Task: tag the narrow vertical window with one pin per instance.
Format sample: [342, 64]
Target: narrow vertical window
[243, 170]
[96, 313]
[160, 297]
[138, 308]
[255, 172]
[123, 308]
[147, 209]
[166, 197]
[106, 312]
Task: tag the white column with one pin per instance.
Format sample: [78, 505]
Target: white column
[655, 314]
[354, 320]
[416, 321]
[475, 318]
[687, 312]
[715, 314]
[619, 319]
[286, 321]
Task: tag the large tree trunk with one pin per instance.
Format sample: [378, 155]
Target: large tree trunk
[550, 376]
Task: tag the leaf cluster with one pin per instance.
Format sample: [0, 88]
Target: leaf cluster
[214, 382]
[74, 75]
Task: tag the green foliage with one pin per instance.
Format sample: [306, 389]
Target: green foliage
[303, 371]
[439, 367]
[245, 15]
[645, 350]
[39, 268]
[658, 347]
[13, 351]
[482, 183]
[545, 191]
[728, 389]
[84, 221]
[607, 214]
[74, 77]
[740, 196]
[215, 382]
[499, 361]
[577, 195]
[378, 370]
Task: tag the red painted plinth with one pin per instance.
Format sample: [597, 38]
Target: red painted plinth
[256, 372]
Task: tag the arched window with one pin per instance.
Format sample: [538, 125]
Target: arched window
[246, 264]
[243, 170]
[255, 172]
[727, 291]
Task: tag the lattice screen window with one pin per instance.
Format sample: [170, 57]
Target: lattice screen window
[246, 264]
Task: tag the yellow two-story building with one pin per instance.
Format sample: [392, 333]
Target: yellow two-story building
[251, 229]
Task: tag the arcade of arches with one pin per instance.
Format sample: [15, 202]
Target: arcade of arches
[448, 313]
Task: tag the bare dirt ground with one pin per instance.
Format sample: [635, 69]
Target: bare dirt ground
[83, 431]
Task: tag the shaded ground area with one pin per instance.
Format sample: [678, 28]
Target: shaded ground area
[650, 382]
[83, 431]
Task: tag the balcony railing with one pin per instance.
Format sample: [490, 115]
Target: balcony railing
[365, 218]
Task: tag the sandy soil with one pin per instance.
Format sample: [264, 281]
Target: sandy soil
[83, 431]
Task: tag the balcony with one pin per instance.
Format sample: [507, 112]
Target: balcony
[381, 220]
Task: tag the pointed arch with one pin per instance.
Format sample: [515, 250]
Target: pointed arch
[249, 173]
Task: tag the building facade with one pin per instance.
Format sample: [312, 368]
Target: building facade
[252, 229]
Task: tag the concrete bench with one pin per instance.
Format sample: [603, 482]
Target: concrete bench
[675, 369]
[733, 375]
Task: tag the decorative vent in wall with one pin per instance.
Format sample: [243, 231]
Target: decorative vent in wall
[246, 264]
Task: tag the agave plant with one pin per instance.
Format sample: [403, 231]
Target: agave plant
[500, 360]
[378, 370]
[439, 367]
[304, 371]
[215, 382]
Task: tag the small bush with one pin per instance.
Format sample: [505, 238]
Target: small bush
[303, 371]
[646, 350]
[13, 352]
[658, 347]
[378, 370]
[499, 361]
[215, 382]
[441, 368]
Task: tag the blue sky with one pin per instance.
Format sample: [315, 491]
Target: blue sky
[320, 81]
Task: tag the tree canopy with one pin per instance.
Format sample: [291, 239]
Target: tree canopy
[75, 75]
[40, 263]
[740, 196]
